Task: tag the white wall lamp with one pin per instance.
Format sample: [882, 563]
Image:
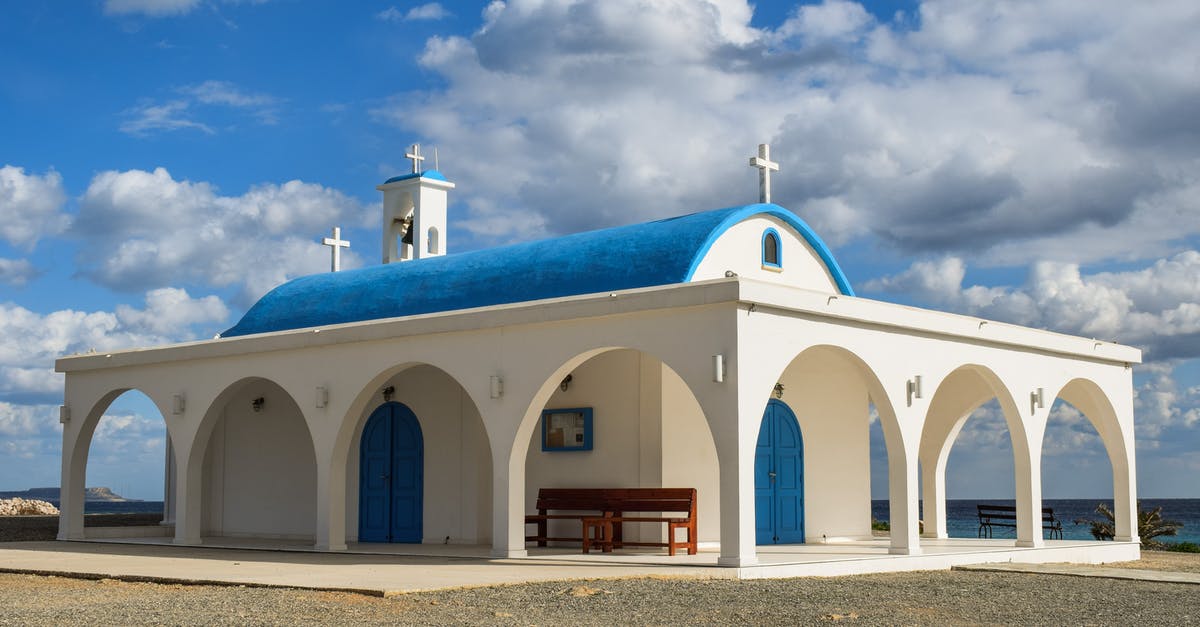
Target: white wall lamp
[496, 386]
[914, 388]
[178, 404]
[718, 362]
[64, 414]
[1037, 400]
[388, 392]
[322, 396]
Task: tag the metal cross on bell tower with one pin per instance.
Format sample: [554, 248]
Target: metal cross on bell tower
[414, 153]
[337, 244]
[765, 166]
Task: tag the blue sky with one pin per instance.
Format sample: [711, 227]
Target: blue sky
[165, 162]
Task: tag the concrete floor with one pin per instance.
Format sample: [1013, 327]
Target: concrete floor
[382, 569]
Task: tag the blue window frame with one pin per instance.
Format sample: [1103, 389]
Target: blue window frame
[772, 249]
[567, 429]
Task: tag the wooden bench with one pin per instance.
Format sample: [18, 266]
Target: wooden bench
[602, 513]
[1006, 516]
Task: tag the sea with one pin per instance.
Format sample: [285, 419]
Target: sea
[962, 519]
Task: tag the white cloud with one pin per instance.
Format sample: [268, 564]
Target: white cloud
[168, 116]
[1156, 307]
[31, 207]
[145, 229]
[17, 272]
[995, 132]
[150, 8]
[428, 11]
[225, 93]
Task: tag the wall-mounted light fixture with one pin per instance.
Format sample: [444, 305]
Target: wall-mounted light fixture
[778, 391]
[1037, 400]
[914, 388]
[178, 404]
[322, 396]
[64, 414]
[257, 404]
[496, 386]
[566, 383]
[388, 392]
[729, 274]
[718, 368]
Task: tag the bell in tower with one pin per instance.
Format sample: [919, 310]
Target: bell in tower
[414, 212]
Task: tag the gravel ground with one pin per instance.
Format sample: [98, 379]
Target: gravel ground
[937, 597]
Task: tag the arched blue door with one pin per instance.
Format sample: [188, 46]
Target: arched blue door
[391, 476]
[779, 477]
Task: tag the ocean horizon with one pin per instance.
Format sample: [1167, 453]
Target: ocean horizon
[962, 520]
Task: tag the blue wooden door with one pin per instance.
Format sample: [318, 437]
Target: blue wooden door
[391, 476]
[779, 477]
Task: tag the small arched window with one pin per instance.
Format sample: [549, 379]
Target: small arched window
[772, 253]
[433, 240]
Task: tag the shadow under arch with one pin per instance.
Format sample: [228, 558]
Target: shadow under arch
[830, 388]
[349, 434]
[965, 389]
[188, 525]
[673, 390]
[81, 449]
[1089, 399]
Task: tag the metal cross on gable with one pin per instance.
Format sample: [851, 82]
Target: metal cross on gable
[765, 166]
[337, 244]
[414, 153]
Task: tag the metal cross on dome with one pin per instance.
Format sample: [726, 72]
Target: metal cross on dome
[337, 244]
[765, 166]
[414, 153]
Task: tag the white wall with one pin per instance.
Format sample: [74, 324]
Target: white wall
[458, 463]
[740, 249]
[648, 431]
[261, 472]
[831, 404]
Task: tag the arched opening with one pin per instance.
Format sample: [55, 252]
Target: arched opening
[129, 461]
[772, 253]
[969, 453]
[1083, 457]
[259, 471]
[648, 431]
[834, 396]
[451, 500]
[433, 241]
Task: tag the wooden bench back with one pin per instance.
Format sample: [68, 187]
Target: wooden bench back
[1009, 512]
[618, 499]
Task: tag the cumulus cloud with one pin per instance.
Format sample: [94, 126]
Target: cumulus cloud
[142, 229]
[31, 207]
[17, 272]
[1156, 308]
[149, 117]
[30, 341]
[989, 131]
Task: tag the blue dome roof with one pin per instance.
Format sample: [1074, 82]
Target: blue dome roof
[429, 174]
[663, 252]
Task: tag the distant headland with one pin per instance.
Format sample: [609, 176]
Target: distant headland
[51, 495]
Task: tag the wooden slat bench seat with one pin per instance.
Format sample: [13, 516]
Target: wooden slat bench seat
[1006, 516]
[602, 513]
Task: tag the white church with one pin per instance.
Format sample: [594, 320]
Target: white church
[428, 399]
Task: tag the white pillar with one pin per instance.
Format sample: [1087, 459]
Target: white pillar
[331, 505]
[933, 500]
[903, 499]
[188, 497]
[1027, 462]
[508, 500]
[734, 423]
[70, 506]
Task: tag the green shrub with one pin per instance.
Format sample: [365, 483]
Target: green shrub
[1180, 547]
[880, 525]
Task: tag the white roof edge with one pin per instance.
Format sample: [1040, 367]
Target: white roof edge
[710, 292]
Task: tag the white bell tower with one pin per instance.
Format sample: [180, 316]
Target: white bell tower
[414, 212]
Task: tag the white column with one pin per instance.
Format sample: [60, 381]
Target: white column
[734, 423]
[933, 501]
[903, 499]
[1027, 462]
[508, 501]
[70, 506]
[331, 505]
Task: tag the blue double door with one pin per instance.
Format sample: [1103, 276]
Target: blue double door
[779, 477]
[391, 476]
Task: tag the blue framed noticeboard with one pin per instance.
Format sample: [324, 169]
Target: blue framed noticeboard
[567, 429]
